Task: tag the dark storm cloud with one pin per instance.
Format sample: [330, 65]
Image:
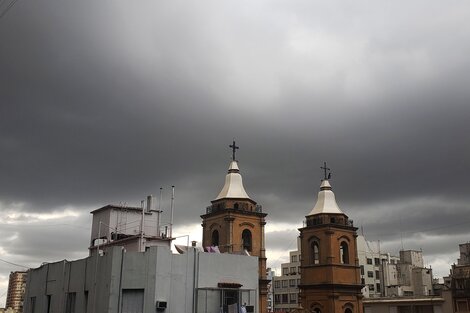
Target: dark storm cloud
[106, 102]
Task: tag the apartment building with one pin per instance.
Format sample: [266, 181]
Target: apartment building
[285, 287]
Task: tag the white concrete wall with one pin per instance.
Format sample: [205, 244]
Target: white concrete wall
[222, 267]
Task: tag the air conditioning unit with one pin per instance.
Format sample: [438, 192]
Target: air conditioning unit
[160, 306]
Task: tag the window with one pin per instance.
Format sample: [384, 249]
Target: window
[277, 299]
[246, 240]
[49, 299]
[292, 282]
[363, 281]
[315, 252]
[344, 253]
[285, 283]
[378, 287]
[298, 270]
[292, 270]
[285, 298]
[293, 259]
[293, 298]
[377, 274]
[86, 301]
[215, 238]
[32, 301]
[277, 284]
[369, 261]
[298, 281]
[348, 310]
[377, 261]
[370, 274]
[371, 287]
[285, 271]
[70, 304]
[362, 269]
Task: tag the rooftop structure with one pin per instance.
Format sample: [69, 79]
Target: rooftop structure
[134, 228]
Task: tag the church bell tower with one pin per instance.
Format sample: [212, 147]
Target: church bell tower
[235, 223]
[330, 279]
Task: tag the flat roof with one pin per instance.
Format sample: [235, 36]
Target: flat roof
[117, 207]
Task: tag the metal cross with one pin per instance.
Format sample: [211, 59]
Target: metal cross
[234, 149]
[324, 168]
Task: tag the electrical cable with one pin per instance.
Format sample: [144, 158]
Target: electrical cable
[2, 14]
[13, 263]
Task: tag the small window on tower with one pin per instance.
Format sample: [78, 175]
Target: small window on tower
[215, 238]
[246, 240]
[344, 253]
[315, 252]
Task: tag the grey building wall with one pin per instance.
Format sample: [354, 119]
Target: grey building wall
[97, 284]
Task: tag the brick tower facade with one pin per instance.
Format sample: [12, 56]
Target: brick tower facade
[234, 223]
[330, 278]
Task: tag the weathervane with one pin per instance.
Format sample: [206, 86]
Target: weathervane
[234, 149]
[324, 168]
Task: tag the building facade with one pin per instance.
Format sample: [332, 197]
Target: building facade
[156, 280]
[330, 272]
[375, 274]
[286, 286]
[16, 290]
[408, 276]
[460, 280]
[235, 224]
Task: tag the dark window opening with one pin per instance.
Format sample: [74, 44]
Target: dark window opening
[70, 304]
[33, 304]
[344, 253]
[48, 304]
[215, 238]
[246, 240]
[348, 310]
[235, 206]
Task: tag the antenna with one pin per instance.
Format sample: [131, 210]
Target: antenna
[401, 236]
[142, 226]
[159, 212]
[171, 209]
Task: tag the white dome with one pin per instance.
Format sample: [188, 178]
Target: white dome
[326, 202]
[233, 187]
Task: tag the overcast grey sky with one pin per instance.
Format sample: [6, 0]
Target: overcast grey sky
[104, 102]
